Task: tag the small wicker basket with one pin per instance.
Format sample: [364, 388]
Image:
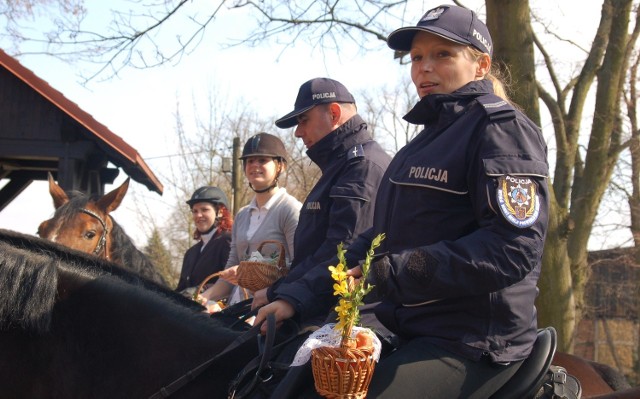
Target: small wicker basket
[204, 282]
[342, 373]
[221, 303]
[255, 276]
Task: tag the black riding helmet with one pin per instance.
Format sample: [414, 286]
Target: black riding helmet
[267, 145]
[209, 194]
[264, 144]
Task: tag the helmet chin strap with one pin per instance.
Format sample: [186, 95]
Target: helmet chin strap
[213, 226]
[264, 190]
[272, 186]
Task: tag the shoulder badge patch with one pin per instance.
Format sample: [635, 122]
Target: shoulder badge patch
[496, 108]
[356, 151]
[518, 200]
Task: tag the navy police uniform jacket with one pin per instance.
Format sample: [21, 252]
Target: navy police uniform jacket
[464, 207]
[197, 264]
[339, 208]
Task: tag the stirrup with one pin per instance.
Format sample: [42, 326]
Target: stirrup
[530, 376]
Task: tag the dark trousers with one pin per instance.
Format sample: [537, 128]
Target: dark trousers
[419, 369]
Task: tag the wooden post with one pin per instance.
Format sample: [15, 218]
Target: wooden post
[236, 175]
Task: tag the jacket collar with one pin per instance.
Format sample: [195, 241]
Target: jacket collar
[335, 144]
[432, 107]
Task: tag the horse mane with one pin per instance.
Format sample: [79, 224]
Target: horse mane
[28, 282]
[123, 251]
[616, 380]
[77, 200]
[29, 275]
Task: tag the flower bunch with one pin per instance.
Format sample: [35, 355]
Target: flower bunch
[350, 290]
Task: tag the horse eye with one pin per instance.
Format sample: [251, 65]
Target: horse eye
[90, 234]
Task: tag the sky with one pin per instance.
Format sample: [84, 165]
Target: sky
[139, 104]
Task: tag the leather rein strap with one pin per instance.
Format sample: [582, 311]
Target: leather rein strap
[102, 242]
[265, 348]
[170, 389]
[261, 368]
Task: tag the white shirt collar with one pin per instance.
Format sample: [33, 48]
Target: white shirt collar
[207, 237]
[254, 205]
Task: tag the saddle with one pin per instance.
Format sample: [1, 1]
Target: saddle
[537, 378]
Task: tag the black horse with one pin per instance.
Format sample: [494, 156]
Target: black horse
[75, 326]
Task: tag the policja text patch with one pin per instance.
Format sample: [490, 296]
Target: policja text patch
[518, 200]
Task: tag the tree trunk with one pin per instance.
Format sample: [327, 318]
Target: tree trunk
[555, 302]
[565, 270]
[603, 148]
[513, 51]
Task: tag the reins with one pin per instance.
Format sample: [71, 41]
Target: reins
[261, 368]
[102, 242]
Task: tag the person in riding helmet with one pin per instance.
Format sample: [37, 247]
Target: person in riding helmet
[213, 221]
[271, 215]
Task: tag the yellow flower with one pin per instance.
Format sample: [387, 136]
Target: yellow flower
[340, 288]
[338, 273]
[343, 307]
[351, 291]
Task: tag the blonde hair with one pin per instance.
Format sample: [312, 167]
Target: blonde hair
[495, 75]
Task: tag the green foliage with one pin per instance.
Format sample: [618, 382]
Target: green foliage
[161, 258]
[350, 290]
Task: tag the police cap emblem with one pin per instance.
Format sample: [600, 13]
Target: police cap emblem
[518, 200]
[432, 14]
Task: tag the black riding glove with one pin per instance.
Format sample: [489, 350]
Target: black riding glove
[403, 277]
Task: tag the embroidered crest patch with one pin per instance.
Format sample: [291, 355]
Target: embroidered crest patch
[518, 200]
[432, 14]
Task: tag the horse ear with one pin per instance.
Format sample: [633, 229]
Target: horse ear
[57, 193]
[111, 201]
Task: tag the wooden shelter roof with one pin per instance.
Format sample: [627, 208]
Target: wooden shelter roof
[40, 127]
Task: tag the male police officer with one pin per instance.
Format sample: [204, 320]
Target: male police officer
[338, 208]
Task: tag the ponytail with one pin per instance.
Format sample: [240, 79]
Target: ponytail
[496, 77]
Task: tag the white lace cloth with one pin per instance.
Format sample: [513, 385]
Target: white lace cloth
[328, 336]
[256, 256]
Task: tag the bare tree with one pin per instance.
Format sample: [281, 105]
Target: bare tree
[581, 174]
[383, 109]
[204, 142]
[133, 35]
[302, 174]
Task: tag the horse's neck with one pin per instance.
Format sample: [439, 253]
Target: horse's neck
[142, 340]
[124, 253]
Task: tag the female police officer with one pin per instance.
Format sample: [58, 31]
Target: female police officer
[464, 207]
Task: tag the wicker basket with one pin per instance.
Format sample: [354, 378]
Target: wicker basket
[255, 276]
[204, 282]
[342, 373]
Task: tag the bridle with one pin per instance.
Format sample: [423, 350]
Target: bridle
[102, 242]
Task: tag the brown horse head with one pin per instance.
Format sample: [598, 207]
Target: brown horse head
[84, 227]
